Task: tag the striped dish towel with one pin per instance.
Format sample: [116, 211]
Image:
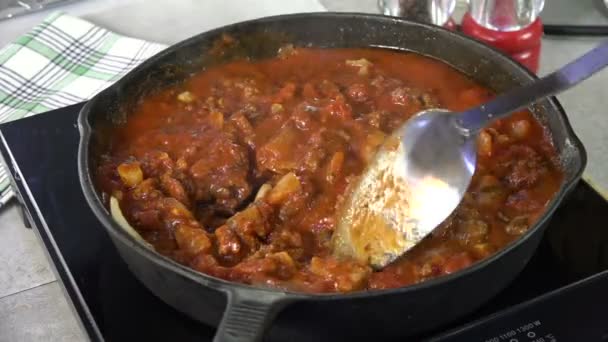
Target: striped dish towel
[62, 61]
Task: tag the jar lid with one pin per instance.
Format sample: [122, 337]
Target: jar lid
[436, 12]
[505, 15]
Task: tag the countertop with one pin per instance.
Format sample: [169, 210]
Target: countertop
[32, 304]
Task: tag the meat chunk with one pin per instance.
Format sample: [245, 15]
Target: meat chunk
[309, 92]
[344, 275]
[329, 89]
[208, 264]
[250, 220]
[384, 84]
[221, 176]
[457, 262]
[255, 270]
[173, 209]
[518, 225]
[146, 191]
[252, 224]
[174, 188]
[401, 96]
[524, 174]
[490, 193]
[285, 93]
[246, 132]
[338, 107]
[524, 166]
[290, 239]
[523, 201]
[286, 267]
[248, 86]
[296, 202]
[228, 243]
[155, 163]
[412, 97]
[358, 92]
[472, 231]
[313, 153]
[148, 219]
[311, 159]
[302, 116]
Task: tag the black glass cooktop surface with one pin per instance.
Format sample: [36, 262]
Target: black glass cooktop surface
[561, 295]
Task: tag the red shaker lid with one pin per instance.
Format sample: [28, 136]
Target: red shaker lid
[512, 26]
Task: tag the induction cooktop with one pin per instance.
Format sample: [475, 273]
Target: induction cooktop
[561, 295]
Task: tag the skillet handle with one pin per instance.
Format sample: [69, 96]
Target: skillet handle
[248, 313]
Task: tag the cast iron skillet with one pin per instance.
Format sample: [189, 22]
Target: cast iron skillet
[244, 312]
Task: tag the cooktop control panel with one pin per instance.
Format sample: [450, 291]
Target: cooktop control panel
[573, 313]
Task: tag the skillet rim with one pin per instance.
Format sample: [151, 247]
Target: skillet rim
[104, 217]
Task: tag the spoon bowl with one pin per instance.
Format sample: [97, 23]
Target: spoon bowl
[422, 171]
[415, 181]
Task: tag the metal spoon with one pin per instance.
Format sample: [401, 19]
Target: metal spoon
[422, 171]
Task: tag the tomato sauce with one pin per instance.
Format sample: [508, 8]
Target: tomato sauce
[239, 171]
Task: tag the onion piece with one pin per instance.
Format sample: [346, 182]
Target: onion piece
[263, 191]
[117, 215]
